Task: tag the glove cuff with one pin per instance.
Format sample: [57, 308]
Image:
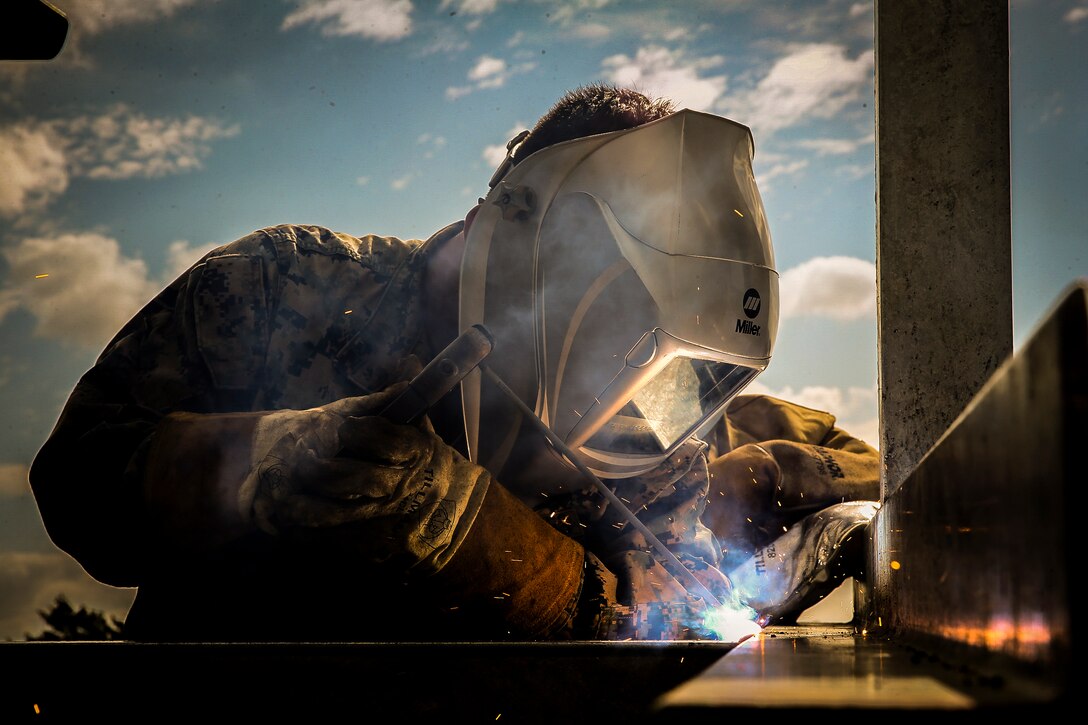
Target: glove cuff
[512, 565]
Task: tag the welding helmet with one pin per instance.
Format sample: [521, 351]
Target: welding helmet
[628, 281]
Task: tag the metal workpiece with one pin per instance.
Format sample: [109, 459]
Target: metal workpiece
[816, 669]
[975, 550]
[944, 243]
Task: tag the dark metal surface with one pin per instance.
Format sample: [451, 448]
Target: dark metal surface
[976, 551]
[371, 682]
[944, 249]
[811, 670]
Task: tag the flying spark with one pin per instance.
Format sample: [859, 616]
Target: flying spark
[41, 276]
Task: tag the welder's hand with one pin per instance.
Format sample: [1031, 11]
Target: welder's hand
[199, 482]
[757, 491]
[806, 563]
[390, 492]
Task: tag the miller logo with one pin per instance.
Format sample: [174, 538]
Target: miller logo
[751, 305]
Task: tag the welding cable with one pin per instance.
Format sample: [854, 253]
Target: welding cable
[669, 560]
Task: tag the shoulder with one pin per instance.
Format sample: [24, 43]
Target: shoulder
[753, 418]
[288, 243]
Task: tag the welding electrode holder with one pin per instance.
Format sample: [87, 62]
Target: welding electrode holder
[446, 370]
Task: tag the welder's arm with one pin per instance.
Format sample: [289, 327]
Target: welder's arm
[783, 461]
[343, 480]
[85, 477]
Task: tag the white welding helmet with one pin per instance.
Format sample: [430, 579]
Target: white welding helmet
[628, 280]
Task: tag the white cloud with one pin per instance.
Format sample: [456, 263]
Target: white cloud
[494, 155]
[455, 92]
[362, 180]
[374, 19]
[122, 143]
[855, 408]
[95, 16]
[40, 159]
[1076, 15]
[835, 146]
[477, 7]
[431, 143]
[567, 12]
[658, 71]
[516, 39]
[488, 72]
[856, 171]
[13, 480]
[592, 31]
[859, 9]
[30, 582]
[401, 183]
[842, 288]
[54, 278]
[486, 67]
[785, 168]
[812, 81]
[181, 255]
[35, 170]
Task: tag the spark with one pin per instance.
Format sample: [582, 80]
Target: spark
[624, 500]
[347, 312]
[732, 622]
[784, 528]
[37, 710]
[749, 520]
[895, 564]
[737, 212]
[516, 560]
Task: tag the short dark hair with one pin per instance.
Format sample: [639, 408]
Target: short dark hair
[589, 110]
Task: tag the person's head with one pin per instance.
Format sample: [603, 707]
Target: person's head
[585, 111]
[612, 256]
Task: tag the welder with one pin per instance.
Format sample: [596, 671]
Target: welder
[228, 453]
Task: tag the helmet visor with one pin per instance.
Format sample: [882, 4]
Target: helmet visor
[664, 393]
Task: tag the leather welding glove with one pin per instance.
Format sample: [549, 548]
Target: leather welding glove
[200, 470]
[376, 492]
[806, 563]
[759, 490]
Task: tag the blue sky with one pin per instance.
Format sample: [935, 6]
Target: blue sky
[167, 127]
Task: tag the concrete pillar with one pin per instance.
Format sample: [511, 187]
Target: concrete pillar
[944, 256]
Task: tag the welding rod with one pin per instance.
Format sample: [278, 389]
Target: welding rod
[670, 562]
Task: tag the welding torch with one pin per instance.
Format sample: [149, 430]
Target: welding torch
[446, 370]
[461, 357]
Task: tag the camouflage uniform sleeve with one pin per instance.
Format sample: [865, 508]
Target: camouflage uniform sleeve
[86, 477]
